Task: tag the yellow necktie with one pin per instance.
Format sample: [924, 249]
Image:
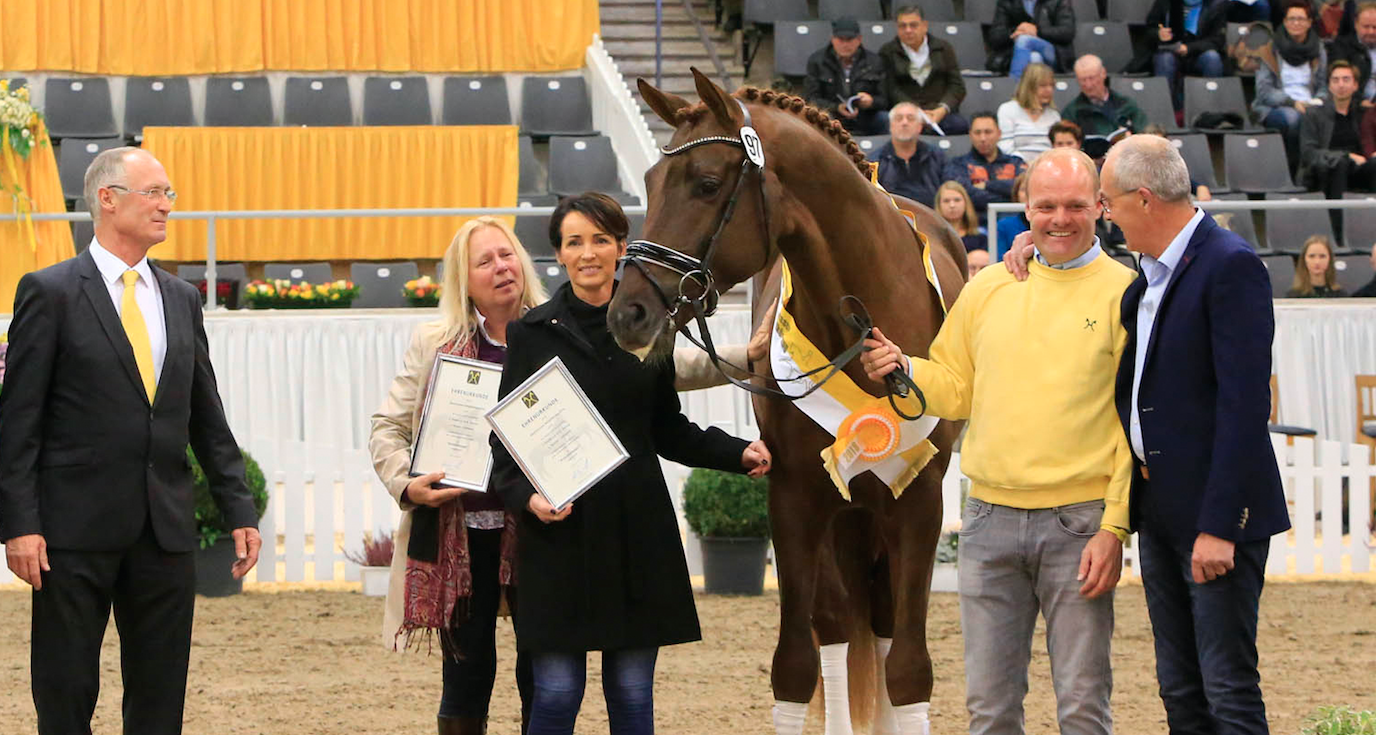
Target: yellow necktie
[137, 330]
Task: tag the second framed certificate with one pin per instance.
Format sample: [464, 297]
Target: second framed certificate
[453, 435]
[556, 435]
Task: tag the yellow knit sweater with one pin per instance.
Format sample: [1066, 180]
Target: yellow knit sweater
[1032, 366]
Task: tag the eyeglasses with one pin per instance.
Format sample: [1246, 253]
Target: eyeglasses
[1297, 19]
[1105, 201]
[154, 194]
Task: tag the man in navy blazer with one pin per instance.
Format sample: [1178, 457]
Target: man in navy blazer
[1193, 394]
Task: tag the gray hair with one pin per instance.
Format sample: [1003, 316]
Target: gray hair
[1152, 163]
[107, 169]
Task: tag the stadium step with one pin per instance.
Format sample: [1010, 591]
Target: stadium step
[671, 49]
[636, 31]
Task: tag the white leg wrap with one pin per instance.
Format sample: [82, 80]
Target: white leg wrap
[836, 688]
[789, 717]
[885, 717]
[912, 718]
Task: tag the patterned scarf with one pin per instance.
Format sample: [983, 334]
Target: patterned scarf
[439, 582]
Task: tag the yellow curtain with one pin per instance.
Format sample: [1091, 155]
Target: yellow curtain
[38, 176]
[170, 37]
[331, 168]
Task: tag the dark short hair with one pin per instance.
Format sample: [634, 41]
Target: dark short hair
[601, 209]
[1066, 126]
[909, 9]
[1342, 64]
[985, 113]
[1305, 5]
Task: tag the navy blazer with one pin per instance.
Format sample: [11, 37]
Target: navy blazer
[1204, 399]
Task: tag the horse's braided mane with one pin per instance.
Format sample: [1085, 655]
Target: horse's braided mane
[799, 107]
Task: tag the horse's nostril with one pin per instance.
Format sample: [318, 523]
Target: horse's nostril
[638, 314]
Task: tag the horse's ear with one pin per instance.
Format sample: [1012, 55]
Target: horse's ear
[665, 104]
[723, 107]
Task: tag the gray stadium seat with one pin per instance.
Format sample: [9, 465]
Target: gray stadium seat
[987, 93]
[17, 83]
[476, 101]
[871, 143]
[1236, 31]
[238, 102]
[312, 273]
[79, 108]
[1220, 94]
[555, 106]
[860, 9]
[1287, 229]
[1086, 11]
[1194, 148]
[380, 285]
[533, 230]
[1256, 163]
[1239, 220]
[1108, 40]
[1359, 225]
[932, 10]
[795, 41]
[1153, 95]
[980, 11]
[950, 145]
[1063, 91]
[551, 274]
[1126, 11]
[194, 274]
[156, 101]
[318, 101]
[1281, 268]
[1353, 271]
[531, 177]
[965, 38]
[583, 164]
[873, 33]
[75, 156]
[769, 12]
[82, 232]
[396, 101]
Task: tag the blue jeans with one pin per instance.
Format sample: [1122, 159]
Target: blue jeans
[628, 683]
[1167, 65]
[1287, 121]
[1031, 50]
[1206, 638]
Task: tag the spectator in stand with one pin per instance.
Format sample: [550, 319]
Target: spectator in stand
[1201, 192]
[924, 71]
[1290, 78]
[1365, 292]
[1010, 225]
[1330, 141]
[954, 205]
[1359, 49]
[1334, 17]
[846, 69]
[1066, 134]
[907, 166]
[1031, 31]
[1028, 117]
[1191, 39]
[976, 261]
[1315, 277]
[986, 172]
[1097, 109]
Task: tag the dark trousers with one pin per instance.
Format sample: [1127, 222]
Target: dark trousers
[469, 676]
[1206, 638]
[1346, 176]
[153, 594]
[628, 685]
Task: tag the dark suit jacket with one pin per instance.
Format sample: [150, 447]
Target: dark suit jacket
[84, 459]
[945, 85]
[1204, 398]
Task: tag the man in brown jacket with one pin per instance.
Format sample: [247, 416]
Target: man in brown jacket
[924, 71]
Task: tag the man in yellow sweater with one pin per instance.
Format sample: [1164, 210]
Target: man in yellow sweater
[1032, 366]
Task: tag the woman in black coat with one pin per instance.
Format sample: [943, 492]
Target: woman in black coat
[607, 573]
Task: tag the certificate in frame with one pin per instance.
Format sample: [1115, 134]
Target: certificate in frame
[555, 434]
[453, 433]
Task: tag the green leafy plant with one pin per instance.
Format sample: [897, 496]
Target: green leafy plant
[210, 524]
[726, 505]
[948, 548]
[1341, 721]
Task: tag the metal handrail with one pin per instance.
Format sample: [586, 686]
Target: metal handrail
[707, 44]
[659, 43]
[1221, 204]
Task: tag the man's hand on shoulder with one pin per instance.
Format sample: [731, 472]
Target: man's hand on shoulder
[1017, 257]
[27, 557]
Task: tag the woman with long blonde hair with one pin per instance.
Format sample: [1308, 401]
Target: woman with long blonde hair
[1315, 276]
[954, 205]
[1026, 120]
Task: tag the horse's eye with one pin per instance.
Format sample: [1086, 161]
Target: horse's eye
[708, 187]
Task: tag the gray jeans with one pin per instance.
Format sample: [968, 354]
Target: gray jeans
[1014, 563]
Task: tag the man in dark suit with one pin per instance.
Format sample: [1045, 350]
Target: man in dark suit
[1193, 395]
[109, 380]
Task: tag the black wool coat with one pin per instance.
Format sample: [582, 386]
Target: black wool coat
[611, 575]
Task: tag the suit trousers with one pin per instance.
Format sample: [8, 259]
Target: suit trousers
[1206, 638]
[153, 594]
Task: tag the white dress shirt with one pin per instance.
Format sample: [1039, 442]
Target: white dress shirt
[146, 293]
[1158, 272]
[919, 60]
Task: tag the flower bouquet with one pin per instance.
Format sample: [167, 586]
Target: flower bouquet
[226, 292]
[21, 122]
[422, 292]
[283, 294]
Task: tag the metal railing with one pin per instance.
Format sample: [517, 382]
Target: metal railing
[211, 218]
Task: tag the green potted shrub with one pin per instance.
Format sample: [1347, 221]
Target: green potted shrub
[375, 563]
[730, 515]
[216, 555]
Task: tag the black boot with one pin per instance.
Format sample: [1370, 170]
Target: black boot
[463, 725]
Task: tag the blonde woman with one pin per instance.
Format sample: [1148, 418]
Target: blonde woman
[1315, 276]
[954, 205]
[1026, 119]
[454, 548]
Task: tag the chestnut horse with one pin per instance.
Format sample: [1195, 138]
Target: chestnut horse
[811, 202]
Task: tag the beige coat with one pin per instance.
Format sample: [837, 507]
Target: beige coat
[394, 428]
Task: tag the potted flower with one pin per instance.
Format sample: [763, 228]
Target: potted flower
[283, 294]
[730, 514]
[422, 292]
[216, 554]
[226, 292]
[375, 563]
